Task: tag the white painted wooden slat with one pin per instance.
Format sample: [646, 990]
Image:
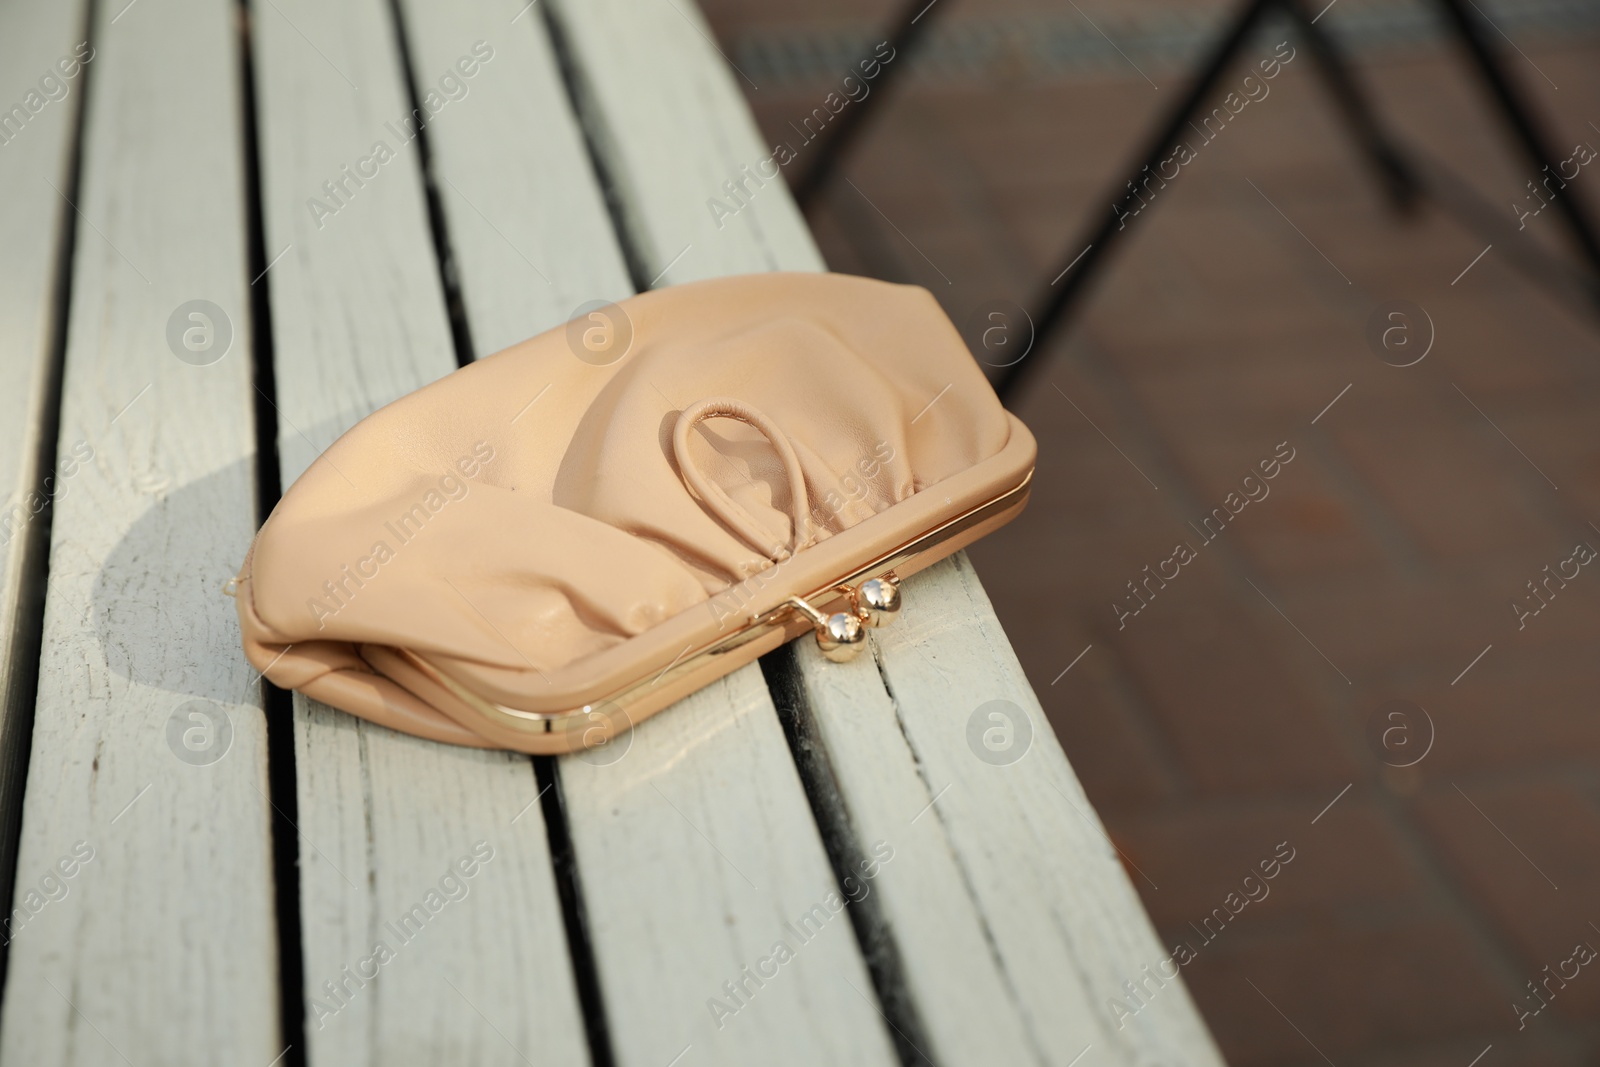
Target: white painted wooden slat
[358, 320]
[35, 153]
[163, 948]
[1050, 926]
[697, 850]
[1007, 899]
[667, 118]
[969, 1006]
[699, 856]
[527, 221]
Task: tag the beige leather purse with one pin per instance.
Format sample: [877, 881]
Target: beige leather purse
[561, 539]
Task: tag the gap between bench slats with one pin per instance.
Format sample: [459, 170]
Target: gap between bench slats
[37, 228]
[360, 317]
[1012, 919]
[162, 948]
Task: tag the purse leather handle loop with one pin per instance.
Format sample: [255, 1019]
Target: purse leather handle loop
[716, 498]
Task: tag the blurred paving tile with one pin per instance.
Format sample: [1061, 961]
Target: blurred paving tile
[1350, 858]
[1346, 985]
[1206, 729]
[1093, 709]
[1238, 710]
[1529, 853]
[1461, 489]
[1529, 1050]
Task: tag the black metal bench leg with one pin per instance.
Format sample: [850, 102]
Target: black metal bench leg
[915, 18]
[1063, 293]
[1399, 181]
[1524, 127]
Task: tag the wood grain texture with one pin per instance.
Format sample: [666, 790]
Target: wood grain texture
[163, 948]
[527, 219]
[970, 1009]
[1013, 902]
[698, 857]
[661, 106]
[482, 973]
[697, 849]
[1006, 897]
[35, 162]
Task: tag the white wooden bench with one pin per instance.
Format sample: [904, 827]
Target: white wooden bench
[231, 873]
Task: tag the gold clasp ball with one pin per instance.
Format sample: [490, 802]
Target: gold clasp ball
[880, 601]
[841, 637]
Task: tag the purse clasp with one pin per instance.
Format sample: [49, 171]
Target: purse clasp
[873, 603]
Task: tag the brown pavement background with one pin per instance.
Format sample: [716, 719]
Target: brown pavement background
[1227, 714]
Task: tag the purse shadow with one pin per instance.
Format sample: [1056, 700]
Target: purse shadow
[157, 607]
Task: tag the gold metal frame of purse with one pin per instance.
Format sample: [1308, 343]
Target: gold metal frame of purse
[840, 634]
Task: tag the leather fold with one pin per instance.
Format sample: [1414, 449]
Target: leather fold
[540, 553]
